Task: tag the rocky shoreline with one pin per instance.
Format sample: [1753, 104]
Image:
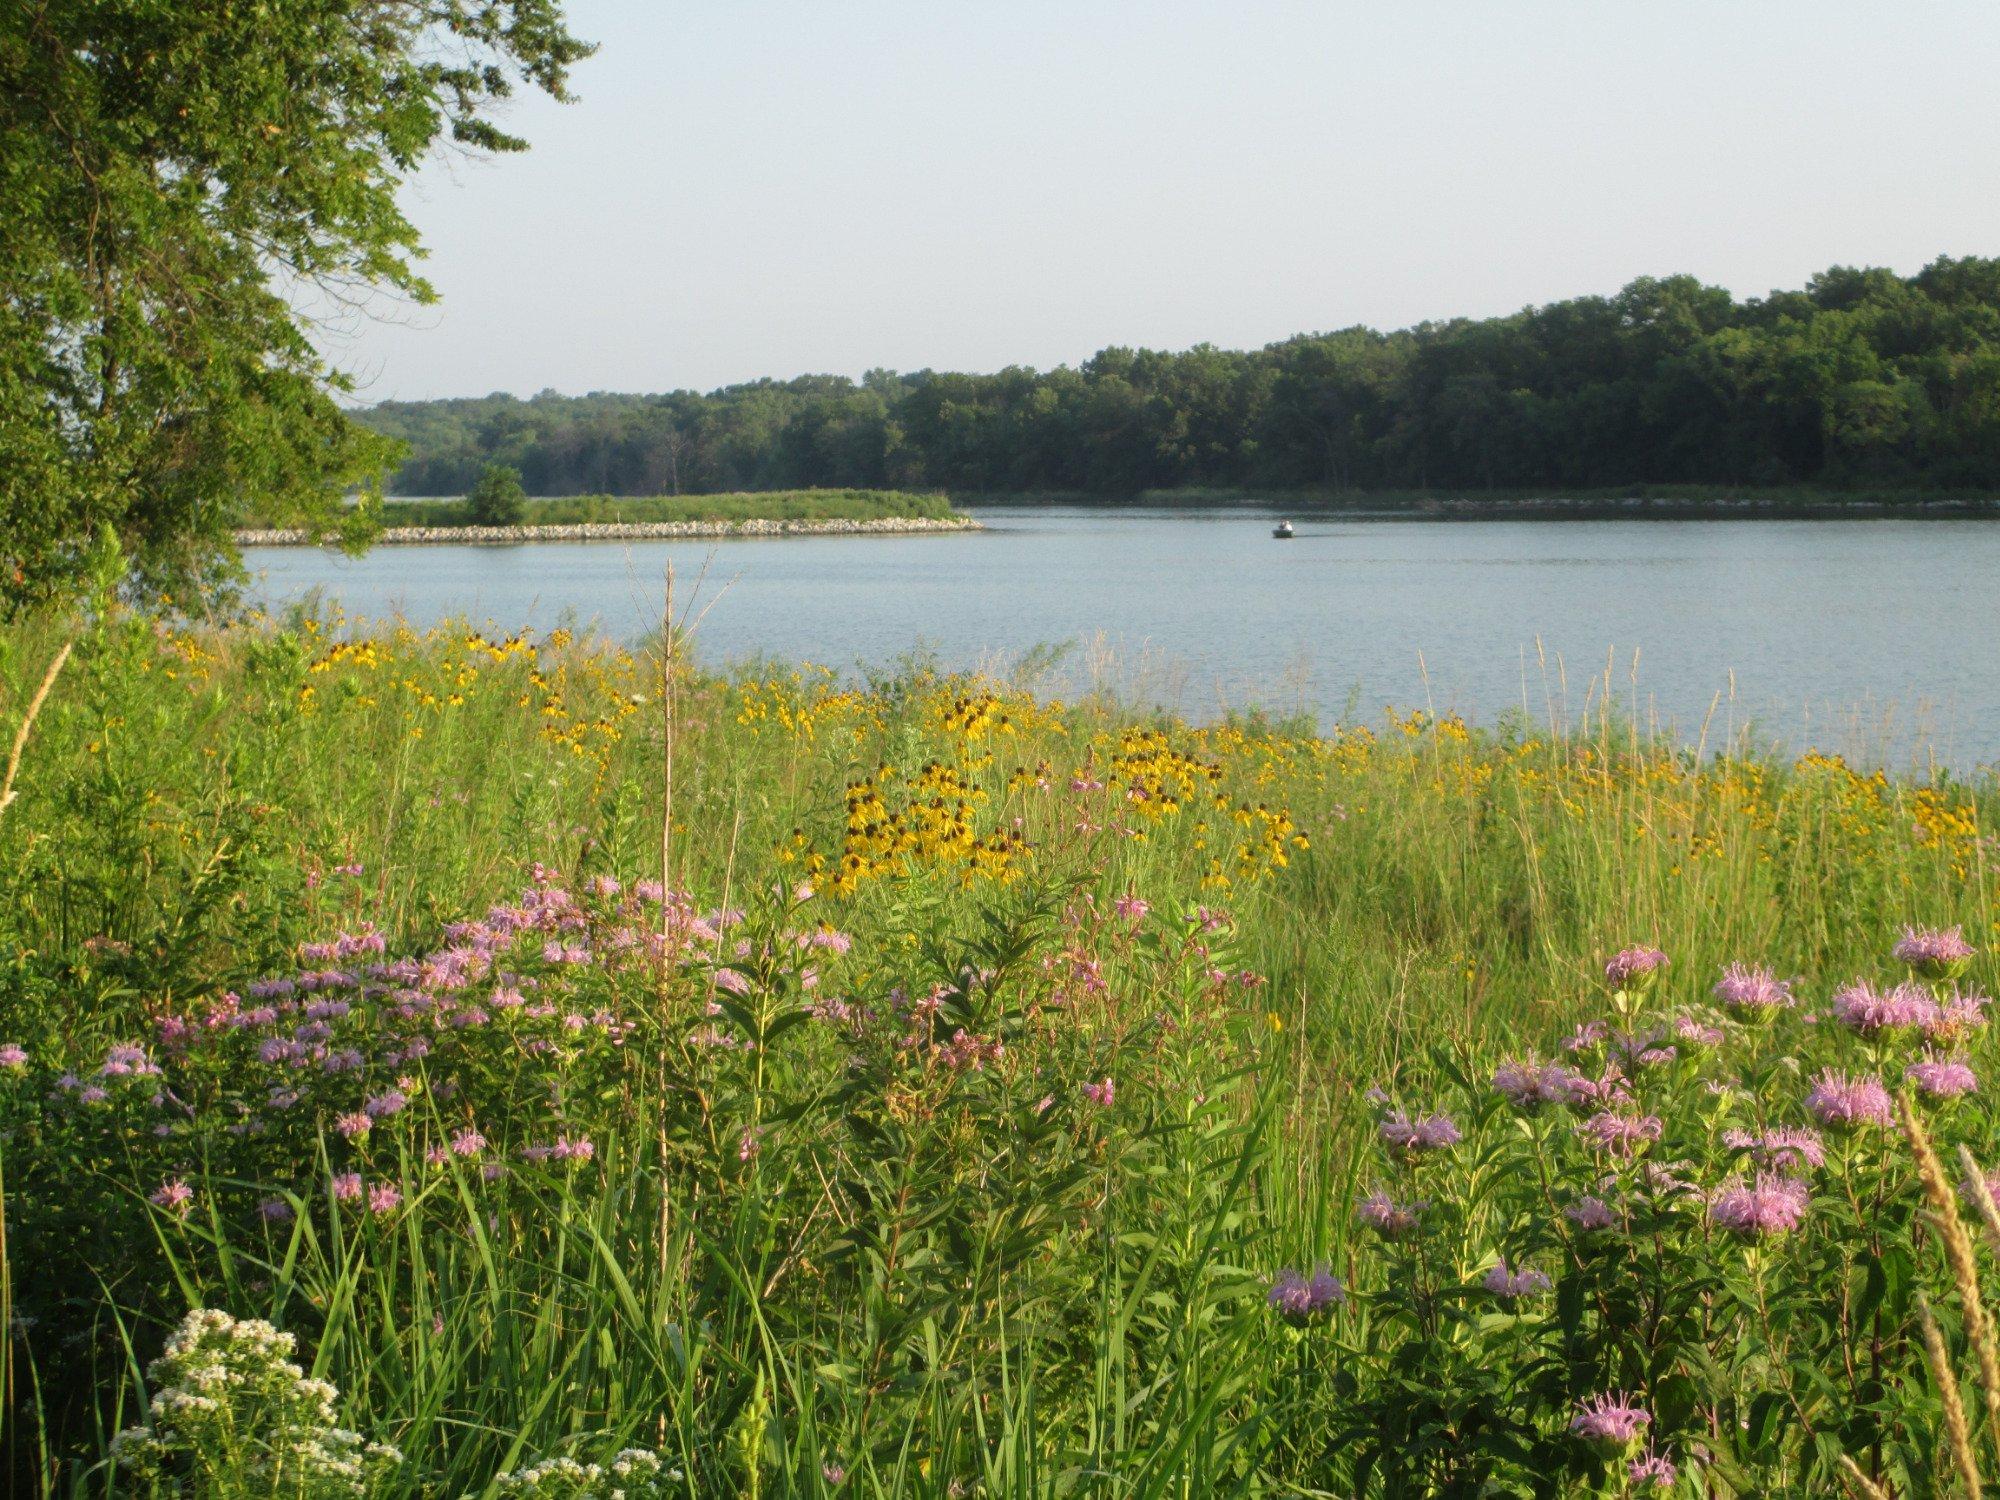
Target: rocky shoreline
[612, 531]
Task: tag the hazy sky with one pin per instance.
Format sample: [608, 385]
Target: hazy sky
[774, 187]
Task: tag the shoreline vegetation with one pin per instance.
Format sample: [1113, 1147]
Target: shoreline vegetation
[433, 521]
[631, 518]
[1658, 501]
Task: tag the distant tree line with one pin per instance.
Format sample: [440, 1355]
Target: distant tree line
[1863, 378]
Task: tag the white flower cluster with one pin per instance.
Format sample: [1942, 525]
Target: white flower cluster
[634, 1474]
[232, 1415]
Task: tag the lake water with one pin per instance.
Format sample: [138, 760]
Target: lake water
[1875, 638]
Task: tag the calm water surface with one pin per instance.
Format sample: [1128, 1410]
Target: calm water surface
[1877, 638]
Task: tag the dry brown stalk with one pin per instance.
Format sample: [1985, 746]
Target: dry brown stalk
[1958, 1254]
[1982, 1197]
[28, 722]
[1958, 1436]
[1863, 1486]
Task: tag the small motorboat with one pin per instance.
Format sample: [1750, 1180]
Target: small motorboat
[1283, 531]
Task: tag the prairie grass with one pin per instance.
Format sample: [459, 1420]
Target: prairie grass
[802, 1268]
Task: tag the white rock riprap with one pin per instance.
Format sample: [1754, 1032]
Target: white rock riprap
[611, 531]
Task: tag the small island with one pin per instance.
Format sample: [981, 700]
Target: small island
[497, 513]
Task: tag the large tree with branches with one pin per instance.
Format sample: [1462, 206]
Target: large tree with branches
[181, 181]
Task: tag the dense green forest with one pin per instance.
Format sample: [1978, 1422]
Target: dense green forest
[1865, 378]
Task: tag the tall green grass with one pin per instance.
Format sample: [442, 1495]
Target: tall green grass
[193, 806]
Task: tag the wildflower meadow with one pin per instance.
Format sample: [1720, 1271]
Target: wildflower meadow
[454, 1063]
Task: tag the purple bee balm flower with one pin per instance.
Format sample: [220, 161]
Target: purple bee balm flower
[1959, 1014]
[1693, 1033]
[1587, 1036]
[1611, 1423]
[1590, 1214]
[1634, 969]
[1785, 1149]
[731, 982]
[1620, 1134]
[1387, 1217]
[1942, 1078]
[1770, 1205]
[1652, 1471]
[1609, 1087]
[13, 1056]
[1864, 1009]
[1101, 1094]
[1522, 1282]
[384, 1197]
[1934, 952]
[1529, 1085]
[173, 1195]
[394, 1101]
[1839, 1100]
[579, 1149]
[467, 1143]
[1298, 1298]
[1407, 1137]
[1753, 994]
[354, 1124]
[275, 1211]
[347, 1186]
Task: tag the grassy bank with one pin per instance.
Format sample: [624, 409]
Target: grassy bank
[1617, 500]
[774, 505]
[940, 1110]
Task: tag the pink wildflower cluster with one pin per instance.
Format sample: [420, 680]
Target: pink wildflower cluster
[1611, 1422]
[1299, 1298]
[1934, 952]
[967, 1052]
[1529, 1085]
[1634, 968]
[1754, 994]
[1591, 1214]
[1387, 1217]
[382, 1197]
[564, 1148]
[1784, 1149]
[174, 1196]
[1870, 1012]
[1427, 1134]
[1523, 1281]
[1771, 1204]
[1959, 1014]
[1942, 1078]
[1620, 1134]
[1845, 1101]
[1652, 1471]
